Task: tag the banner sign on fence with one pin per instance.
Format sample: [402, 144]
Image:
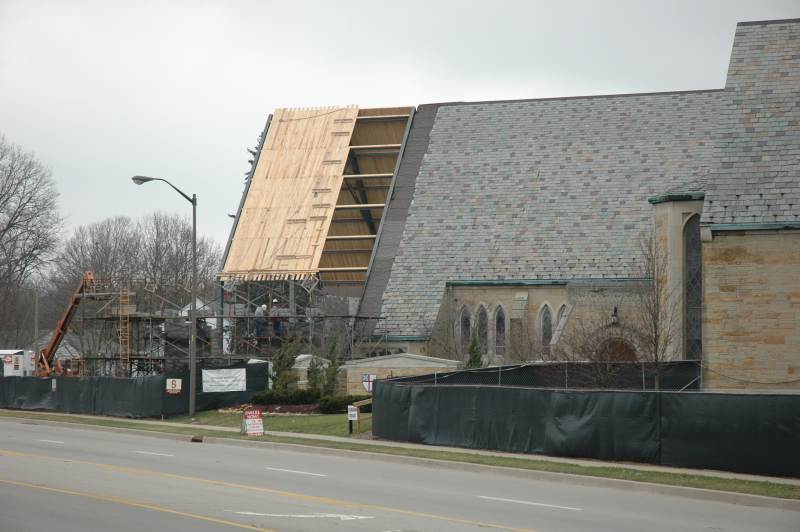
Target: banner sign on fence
[252, 422]
[225, 380]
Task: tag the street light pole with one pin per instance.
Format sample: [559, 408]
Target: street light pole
[193, 314]
[140, 180]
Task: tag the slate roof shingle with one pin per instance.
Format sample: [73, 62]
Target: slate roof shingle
[541, 189]
[756, 178]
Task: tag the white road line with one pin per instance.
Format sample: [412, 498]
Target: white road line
[296, 472]
[340, 517]
[530, 503]
[152, 453]
[51, 441]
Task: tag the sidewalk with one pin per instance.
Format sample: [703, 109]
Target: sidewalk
[383, 443]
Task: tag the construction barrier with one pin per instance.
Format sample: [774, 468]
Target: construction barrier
[138, 397]
[747, 433]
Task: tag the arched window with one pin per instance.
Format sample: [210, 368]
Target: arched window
[500, 332]
[466, 329]
[482, 329]
[562, 311]
[692, 290]
[546, 326]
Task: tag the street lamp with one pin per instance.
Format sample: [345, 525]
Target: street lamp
[140, 180]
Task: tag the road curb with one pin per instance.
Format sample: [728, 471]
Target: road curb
[742, 499]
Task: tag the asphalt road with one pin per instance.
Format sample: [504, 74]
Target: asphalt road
[70, 479]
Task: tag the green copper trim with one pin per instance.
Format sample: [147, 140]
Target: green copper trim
[400, 337]
[539, 282]
[773, 226]
[688, 196]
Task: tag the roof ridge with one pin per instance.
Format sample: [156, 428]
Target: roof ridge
[765, 22]
[586, 96]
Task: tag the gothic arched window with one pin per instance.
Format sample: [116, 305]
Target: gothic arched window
[562, 311]
[500, 332]
[466, 329]
[692, 290]
[546, 326]
[482, 329]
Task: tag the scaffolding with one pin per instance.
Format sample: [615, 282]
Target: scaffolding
[136, 327]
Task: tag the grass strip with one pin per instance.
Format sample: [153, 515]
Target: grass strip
[750, 487]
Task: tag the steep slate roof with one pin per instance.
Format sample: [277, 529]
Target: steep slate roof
[693, 185]
[394, 221]
[757, 174]
[541, 189]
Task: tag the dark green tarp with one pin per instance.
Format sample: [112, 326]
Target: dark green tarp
[136, 397]
[747, 433]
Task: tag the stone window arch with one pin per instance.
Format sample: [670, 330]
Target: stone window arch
[562, 311]
[482, 329]
[465, 328]
[692, 289]
[546, 325]
[500, 332]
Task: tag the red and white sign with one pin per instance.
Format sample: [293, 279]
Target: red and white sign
[174, 386]
[252, 422]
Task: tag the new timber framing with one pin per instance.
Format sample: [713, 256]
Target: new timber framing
[367, 187]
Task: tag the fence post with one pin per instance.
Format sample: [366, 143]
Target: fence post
[644, 385]
[566, 375]
[499, 375]
[435, 378]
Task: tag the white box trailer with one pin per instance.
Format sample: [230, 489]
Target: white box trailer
[18, 363]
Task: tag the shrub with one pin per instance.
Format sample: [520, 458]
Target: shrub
[330, 373]
[315, 374]
[289, 397]
[337, 404]
[282, 363]
[474, 360]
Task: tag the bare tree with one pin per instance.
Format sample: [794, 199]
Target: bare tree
[165, 255]
[155, 250]
[590, 348]
[656, 306]
[29, 231]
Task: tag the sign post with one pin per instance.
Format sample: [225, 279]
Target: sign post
[252, 422]
[352, 415]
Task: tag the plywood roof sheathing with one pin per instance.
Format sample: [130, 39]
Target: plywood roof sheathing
[286, 215]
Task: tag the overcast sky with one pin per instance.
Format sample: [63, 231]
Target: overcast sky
[103, 90]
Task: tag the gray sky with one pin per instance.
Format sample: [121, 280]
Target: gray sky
[103, 90]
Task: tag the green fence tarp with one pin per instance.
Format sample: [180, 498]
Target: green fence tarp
[605, 425]
[746, 433]
[137, 397]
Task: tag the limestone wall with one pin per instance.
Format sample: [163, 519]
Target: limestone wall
[588, 301]
[751, 314]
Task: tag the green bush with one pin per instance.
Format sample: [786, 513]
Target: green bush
[289, 397]
[337, 404]
[474, 361]
[282, 363]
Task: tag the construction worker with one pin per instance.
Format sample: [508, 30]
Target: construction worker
[261, 313]
[275, 313]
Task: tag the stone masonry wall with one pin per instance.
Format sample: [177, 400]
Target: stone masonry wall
[751, 314]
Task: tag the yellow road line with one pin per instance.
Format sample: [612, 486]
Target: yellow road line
[135, 504]
[281, 493]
